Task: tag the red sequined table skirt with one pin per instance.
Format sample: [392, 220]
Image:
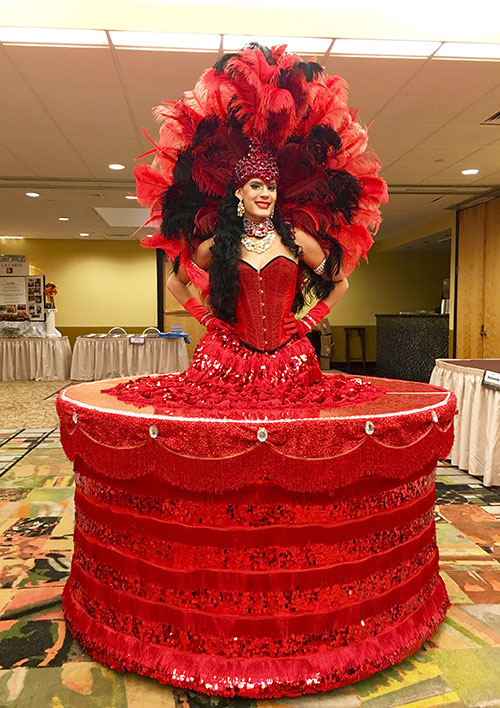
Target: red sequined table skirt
[255, 557]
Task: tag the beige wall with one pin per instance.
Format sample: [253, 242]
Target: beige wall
[99, 283]
[106, 283]
[391, 282]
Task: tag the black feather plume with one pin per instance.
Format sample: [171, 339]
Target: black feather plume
[346, 190]
[310, 69]
[320, 139]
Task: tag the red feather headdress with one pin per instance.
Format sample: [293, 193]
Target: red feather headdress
[328, 180]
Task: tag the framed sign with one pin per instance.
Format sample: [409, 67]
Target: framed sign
[36, 297]
[13, 298]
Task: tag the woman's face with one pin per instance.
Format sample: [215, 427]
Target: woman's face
[258, 198]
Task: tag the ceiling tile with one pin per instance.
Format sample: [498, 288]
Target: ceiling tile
[454, 134]
[429, 154]
[479, 111]
[363, 74]
[391, 134]
[440, 77]
[11, 165]
[408, 109]
[50, 158]
[408, 172]
[67, 68]
[453, 174]
[486, 156]
[98, 154]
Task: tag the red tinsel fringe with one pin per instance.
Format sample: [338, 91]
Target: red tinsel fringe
[257, 677]
[243, 581]
[254, 626]
[216, 455]
[262, 464]
[246, 537]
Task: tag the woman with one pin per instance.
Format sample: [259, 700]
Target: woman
[255, 354]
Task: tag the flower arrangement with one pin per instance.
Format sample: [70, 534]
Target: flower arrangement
[50, 291]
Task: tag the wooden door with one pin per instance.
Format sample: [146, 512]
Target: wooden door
[470, 282]
[491, 338]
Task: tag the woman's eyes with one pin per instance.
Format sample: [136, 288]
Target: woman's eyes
[256, 185]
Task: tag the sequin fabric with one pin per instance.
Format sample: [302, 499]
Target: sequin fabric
[256, 367]
[173, 583]
[258, 162]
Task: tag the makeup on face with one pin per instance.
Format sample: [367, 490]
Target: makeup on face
[258, 198]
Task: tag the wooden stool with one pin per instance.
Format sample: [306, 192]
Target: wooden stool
[361, 332]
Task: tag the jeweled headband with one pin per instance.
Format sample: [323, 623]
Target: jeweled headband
[256, 163]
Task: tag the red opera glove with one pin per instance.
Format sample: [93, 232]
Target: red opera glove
[306, 324]
[204, 316]
[198, 311]
[290, 324]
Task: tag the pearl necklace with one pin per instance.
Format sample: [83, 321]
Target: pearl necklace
[263, 231]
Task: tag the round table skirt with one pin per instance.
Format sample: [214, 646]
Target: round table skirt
[259, 558]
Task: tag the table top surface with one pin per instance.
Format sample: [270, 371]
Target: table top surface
[34, 339]
[402, 397]
[125, 337]
[480, 364]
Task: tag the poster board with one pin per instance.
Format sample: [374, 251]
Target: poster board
[13, 298]
[35, 286]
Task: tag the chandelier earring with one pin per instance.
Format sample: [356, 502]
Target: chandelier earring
[241, 209]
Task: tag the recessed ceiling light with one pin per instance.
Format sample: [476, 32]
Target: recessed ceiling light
[116, 166]
[32, 194]
[130, 196]
[42, 35]
[83, 234]
[301, 45]
[12, 237]
[384, 47]
[63, 218]
[470, 172]
[468, 50]
[165, 40]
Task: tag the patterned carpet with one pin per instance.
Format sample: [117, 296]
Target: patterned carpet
[42, 667]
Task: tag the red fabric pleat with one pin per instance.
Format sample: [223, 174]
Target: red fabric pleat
[259, 677]
[256, 581]
[254, 536]
[277, 626]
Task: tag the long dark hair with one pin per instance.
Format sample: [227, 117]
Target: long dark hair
[226, 251]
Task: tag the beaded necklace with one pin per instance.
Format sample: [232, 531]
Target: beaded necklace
[263, 231]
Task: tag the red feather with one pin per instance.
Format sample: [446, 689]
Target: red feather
[150, 185]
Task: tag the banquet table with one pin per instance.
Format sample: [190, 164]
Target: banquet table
[35, 358]
[244, 554]
[476, 447]
[96, 358]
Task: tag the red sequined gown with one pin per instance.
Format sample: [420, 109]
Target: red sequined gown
[256, 366]
[255, 541]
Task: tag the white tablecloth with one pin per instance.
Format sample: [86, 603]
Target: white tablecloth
[35, 359]
[477, 425]
[108, 357]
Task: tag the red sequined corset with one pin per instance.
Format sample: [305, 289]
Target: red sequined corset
[264, 300]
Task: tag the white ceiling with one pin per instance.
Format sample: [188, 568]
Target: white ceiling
[69, 112]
